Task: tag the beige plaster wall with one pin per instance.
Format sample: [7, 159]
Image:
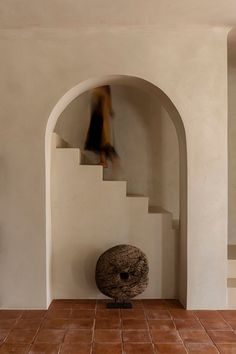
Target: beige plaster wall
[144, 137]
[38, 66]
[232, 150]
[81, 198]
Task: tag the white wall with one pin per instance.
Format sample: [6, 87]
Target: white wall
[188, 65]
[144, 137]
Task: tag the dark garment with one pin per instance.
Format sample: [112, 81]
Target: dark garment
[94, 135]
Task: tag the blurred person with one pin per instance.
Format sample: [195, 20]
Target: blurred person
[99, 133]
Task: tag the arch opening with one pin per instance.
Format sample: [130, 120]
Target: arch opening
[177, 121]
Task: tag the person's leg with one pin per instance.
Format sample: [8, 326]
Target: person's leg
[103, 160]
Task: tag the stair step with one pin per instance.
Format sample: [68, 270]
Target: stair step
[157, 210]
[231, 293]
[58, 142]
[69, 156]
[231, 282]
[231, 265]
[231, 298]
[232, 252]
[116, 186]
[138, 204]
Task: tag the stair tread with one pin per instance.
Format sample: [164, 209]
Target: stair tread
[59, 142]
[232, 252]
[231, 282]
[157, 210]
[136, 196]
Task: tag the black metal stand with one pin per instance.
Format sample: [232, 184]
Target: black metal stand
[119, 305]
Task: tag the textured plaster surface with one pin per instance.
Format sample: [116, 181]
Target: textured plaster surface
[38, 67]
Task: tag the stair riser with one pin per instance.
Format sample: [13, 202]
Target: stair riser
[231, 268]
[231, 295]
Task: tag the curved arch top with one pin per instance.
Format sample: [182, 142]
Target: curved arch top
[131, 81]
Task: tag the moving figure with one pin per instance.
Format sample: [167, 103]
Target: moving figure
[98, 136]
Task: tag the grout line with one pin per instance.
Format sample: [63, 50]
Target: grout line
[93, 328]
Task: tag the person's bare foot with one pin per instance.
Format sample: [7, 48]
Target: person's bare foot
[103, 164]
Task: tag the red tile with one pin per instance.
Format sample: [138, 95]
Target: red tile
[232, 324]
[10, 314]
[138, 348]
[85, 305]
[83, 314]
[81, 324]
[165, 336]
[75, 348]
[222, 336]
[3, 334]
[85, 302]
[133, 313]
[215, 324]
[7, 348]
[26, 323]
[228, 314]
[170, 348]
[53, 336]
[134, 324]
[109, 313]
[158, 314]
[181, 314]
[107, 335]
[136, 336]
[136, 304]
[7, 323]
[107, 323]
[173, 303]
[229, 348]
[155, 304]
[62, 304]
[107, 348]
[191, 336]
[201, 348]
[58, 314]
[33, 314]
[44, 348]
[207, 314]
[21, 336]
[161, 324]
[102, 304]
[79, 335]
[188, 324]
[57, 323]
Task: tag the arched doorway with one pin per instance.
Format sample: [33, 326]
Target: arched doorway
[177, 121]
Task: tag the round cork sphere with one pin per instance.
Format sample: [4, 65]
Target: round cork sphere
[122, 272]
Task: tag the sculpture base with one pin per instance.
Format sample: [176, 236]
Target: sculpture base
[119, 305]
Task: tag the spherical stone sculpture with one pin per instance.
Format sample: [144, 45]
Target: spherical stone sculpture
[122, 272]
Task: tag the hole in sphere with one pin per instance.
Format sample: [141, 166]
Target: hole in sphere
[124, 275]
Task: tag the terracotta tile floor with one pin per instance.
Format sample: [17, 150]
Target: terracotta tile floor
[87, 327]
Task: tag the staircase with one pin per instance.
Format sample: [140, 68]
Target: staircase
[89, 215]
[231, 281]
